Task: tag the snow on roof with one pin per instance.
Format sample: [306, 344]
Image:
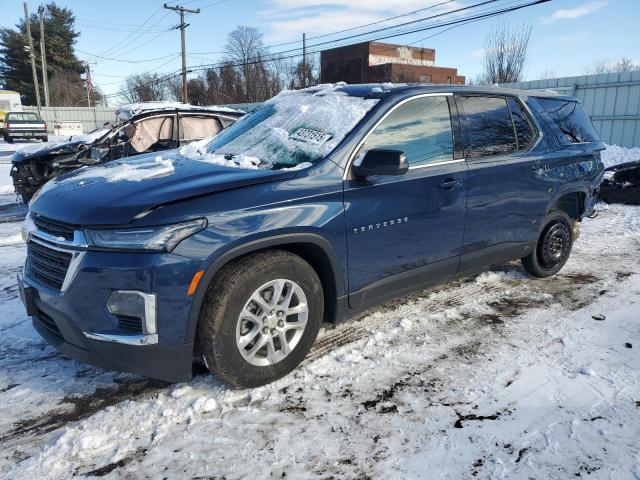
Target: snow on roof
[127, 111]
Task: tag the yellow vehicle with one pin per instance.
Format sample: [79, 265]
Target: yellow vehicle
[9, 102]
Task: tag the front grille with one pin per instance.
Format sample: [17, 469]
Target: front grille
[53, 227]
[129, 323]
[48, 322]
[47, 265]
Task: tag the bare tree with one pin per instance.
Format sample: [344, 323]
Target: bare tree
[173, 86]
[253, 73]
[66, 89]
[307, 74]
[144, 87]
[505, 53]
[547, 73]
[623, 64]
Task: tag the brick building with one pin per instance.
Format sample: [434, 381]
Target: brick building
[372, 62]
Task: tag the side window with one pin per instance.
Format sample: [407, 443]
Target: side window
[487, 127]
[196, 128]
[150, 131]
[421, 128]
[524, 130]
[569, 116]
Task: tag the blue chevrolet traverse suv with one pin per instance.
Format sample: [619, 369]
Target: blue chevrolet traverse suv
[321, 203]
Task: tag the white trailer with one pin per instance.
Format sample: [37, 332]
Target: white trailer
[9, 102]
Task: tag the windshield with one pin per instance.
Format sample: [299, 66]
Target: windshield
[22, 116]
[293, 129]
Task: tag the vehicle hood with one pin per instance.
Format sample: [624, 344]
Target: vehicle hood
[116, 192]
[44, 149]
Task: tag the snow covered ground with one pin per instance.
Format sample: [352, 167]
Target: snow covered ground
[494, 376]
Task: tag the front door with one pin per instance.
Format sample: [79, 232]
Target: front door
[407, 229]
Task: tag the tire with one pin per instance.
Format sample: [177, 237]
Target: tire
[45, 139]
[9, 139]
[553, 247]
[220, 336]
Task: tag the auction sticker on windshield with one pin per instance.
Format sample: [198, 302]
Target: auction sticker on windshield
[310, 136]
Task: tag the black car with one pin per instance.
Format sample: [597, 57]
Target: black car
[621, 184]
[24, 125]
[141, 128]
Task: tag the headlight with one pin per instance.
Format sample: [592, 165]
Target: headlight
[163, 238]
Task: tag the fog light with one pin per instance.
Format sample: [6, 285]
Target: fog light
[135, 311]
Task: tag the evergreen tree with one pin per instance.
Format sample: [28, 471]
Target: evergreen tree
[60, 38]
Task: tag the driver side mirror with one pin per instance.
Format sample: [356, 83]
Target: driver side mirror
[380, 162]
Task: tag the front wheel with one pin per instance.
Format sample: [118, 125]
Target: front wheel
[553, 248]
[260, 318]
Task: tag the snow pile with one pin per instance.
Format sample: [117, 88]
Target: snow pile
[128, 111]
[615, 155]
[292, 128]
[133, 172]
[197, 151]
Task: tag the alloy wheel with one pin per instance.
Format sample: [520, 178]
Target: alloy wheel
[272, 322]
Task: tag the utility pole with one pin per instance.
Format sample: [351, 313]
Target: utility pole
[88, 82]
[43, 57]
[182, 26]
[304, 60]
[32, 55]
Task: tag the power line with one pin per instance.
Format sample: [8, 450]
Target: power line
[366, 24]
[456, 22]
[121, 44]
[141, 60]
[390, 27]
[344, 41]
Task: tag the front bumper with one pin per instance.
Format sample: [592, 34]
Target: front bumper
[77, 322]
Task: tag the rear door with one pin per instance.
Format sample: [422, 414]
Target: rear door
[506, 200]
[405, 229]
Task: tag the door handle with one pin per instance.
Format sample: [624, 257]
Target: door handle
[451, 184]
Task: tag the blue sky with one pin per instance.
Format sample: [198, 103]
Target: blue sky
[567, 35]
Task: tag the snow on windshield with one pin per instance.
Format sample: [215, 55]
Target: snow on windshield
[293, 128]
[198, 151]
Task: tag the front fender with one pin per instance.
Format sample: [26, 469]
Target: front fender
[231, 252]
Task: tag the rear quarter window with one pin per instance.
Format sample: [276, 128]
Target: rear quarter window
[487, 126]
[570, 119]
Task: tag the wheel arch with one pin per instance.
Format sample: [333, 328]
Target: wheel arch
[313, 248]
[572, 203]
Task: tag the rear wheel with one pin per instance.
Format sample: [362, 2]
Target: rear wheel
[553, 248]
[8, 139]
[260, 318]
